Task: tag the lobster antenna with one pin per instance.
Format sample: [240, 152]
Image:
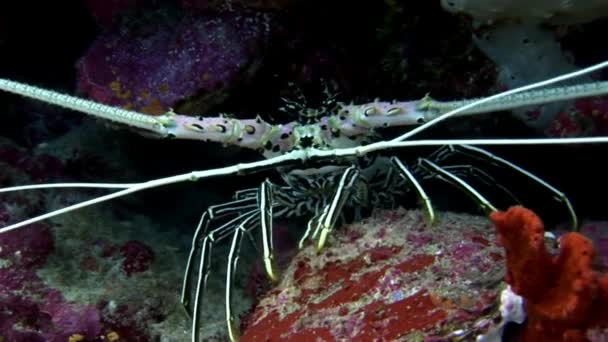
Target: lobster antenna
[303, 155]
[498, 96]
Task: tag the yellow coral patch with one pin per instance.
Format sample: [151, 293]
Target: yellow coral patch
[117, 89]
[163, 88]
[112, 336]
[75, 338]
[153, 108]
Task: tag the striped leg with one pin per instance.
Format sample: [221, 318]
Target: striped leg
[427, 169]
[204, 269]
[212, 213]
[246, 225]
[487, 157]
[449, 177]
[470, 171]
[424, 198]
[263, 218]
[252, 209]
[332, 211]
[265, 203]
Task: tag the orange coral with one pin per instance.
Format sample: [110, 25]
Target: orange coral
[563, 294]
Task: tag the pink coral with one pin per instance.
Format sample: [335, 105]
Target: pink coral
[32, 310]
[69, 319]
[137, 257]
[587, 117]
[29, 311]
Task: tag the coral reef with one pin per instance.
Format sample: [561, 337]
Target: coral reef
[536, 45]
[394, 277]
[137, 257]
[109, 274]
[564, 297]
[536, 29]
[586, 117]
[29, 310]
[85, 276]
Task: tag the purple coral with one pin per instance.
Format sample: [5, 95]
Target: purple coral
[150, 64]
[22, 253]
[33, 306]
[70, 319]
[137, 257]
[29, 311]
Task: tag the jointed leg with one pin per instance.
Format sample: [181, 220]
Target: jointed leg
[265, 202]
[204, 268]
[263, 217]
[212, 213]
[253, 209]
[314, 221]
[424, 198]
[331, 212]
[485, 156]
[244, 227]
[451, 178]
[468, 171]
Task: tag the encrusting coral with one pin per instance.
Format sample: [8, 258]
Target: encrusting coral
[390, 277]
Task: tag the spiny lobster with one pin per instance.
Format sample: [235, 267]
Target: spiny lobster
[325, 164]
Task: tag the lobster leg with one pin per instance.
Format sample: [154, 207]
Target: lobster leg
[246, 225]
[204, 268]
[332, 211]
[451, 178]
[407, 175]
[212, 213]
[265, 203]
[250, 205]
[468, 171]
[313, 221]
[483, 155]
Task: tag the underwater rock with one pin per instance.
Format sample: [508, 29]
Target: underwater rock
[390, 277]
[151, 62]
